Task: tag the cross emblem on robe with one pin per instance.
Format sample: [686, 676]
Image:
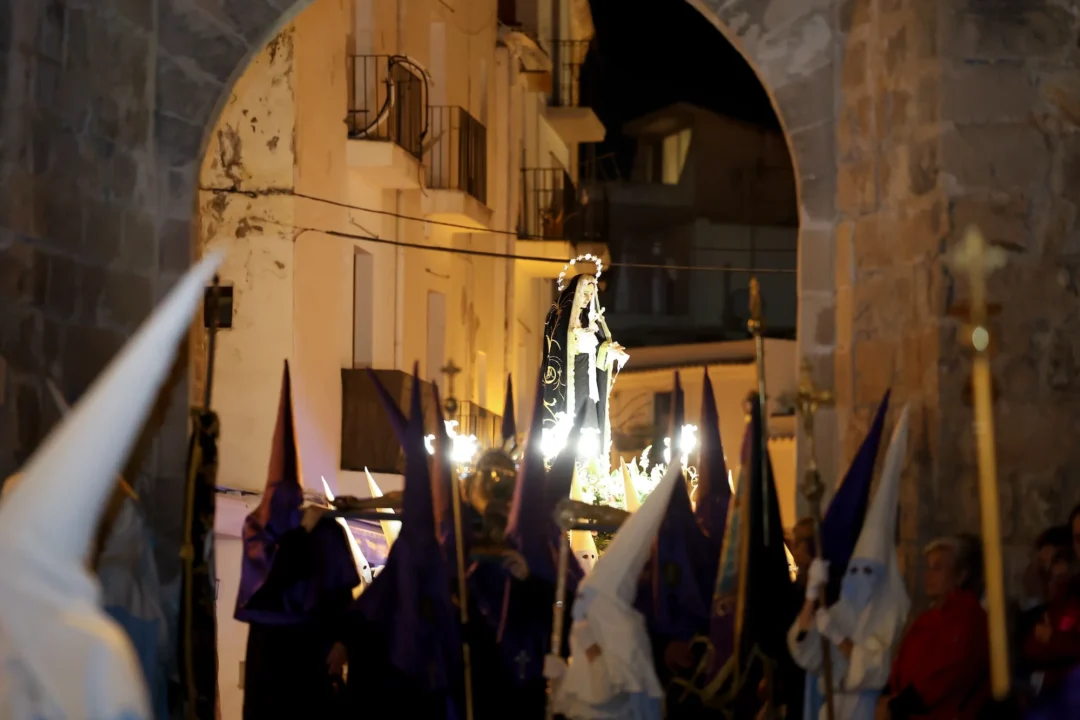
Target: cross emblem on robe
[522, 660]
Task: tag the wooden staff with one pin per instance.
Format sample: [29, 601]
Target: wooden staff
[978, 259]
[807, 401]
[756, 326]
[463, 593]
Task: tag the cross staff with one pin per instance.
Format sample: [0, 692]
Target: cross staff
[756, 326]
[978, 260]
[808, 401]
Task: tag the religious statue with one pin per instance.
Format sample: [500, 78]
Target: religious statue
[580, 362]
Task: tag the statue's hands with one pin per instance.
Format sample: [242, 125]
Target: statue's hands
[618, 355]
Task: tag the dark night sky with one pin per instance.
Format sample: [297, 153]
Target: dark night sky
[651, 53]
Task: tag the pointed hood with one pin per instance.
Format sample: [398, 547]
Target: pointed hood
[278, 514]
[678, 417]
[531, 529]
[509, 425]
[873, 587]
[390, 528]
[603, 615]
[581, 541]
[713, 492]
[49, 603]
[631, 499]
[877, 541]
[843, 521]
[681, 576]
[408, 604]
[680, 579]
[617, 571]
[523, 631]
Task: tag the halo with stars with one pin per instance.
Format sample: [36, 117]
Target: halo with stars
[587, 257]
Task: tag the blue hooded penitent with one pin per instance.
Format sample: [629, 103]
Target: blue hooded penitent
[679, 579]
[843, 520]
[713, 492]
[524, 634]
[278, 513]
[409, 602]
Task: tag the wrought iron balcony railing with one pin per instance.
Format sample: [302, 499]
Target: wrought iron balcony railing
[456, 154]
[388, 101]
[568, 57]
[553, 208]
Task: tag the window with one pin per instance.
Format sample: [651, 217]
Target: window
[673, 154]
[363, 309]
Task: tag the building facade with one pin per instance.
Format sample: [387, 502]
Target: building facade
[706, 191]
[363, 154]
[365, 175]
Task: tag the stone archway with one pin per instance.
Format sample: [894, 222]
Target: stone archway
[792, 46]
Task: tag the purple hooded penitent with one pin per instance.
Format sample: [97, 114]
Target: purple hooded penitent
[278, 513]
[409, 602]
[509, 426]
[679, 581]
[843, 521]
[713, 491]
[524, 634]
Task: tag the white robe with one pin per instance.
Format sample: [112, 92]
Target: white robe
[621, 682]
[61, 657]
[858, 681]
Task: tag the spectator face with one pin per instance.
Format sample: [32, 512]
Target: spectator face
[941, 576]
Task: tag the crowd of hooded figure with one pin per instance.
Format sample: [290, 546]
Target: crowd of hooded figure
[693, 610]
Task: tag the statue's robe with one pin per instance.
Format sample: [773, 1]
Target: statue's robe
[567, 374]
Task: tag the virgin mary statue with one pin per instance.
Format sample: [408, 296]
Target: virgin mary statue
[580, 362]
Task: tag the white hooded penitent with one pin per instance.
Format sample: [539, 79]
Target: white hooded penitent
[621, 681]
[873, 605]
[63, 657]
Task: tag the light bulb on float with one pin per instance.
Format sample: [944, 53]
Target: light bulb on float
[687, 444]
[463, 448]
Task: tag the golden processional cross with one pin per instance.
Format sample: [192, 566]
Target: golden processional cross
[978, 260]
[808, 401]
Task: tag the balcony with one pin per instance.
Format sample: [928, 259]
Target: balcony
[455, 158]
[387, 120]
[368, 441]
[560, 220]
[553, 208]
[574, 123]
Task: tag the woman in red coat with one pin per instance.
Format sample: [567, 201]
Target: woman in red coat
[942, 667]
